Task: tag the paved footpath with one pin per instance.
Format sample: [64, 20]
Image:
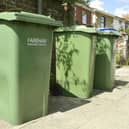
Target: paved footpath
[105, 110]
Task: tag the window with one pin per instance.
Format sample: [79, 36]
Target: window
[84, 17]
[102, 22]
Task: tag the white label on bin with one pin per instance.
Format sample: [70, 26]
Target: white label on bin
[37, 42]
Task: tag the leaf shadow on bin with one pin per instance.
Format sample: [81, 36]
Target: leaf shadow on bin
[104, 71]
[101, 46]
[64, 57]
[65, 52]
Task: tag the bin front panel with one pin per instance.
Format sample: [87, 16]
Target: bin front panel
[35, 49]
[73, 61]
[104, 66]
[26, 57]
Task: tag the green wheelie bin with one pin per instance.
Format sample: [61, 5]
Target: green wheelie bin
[104, 63]
[75, 55]
[25, 55]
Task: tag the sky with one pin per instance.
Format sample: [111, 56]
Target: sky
[115, 7]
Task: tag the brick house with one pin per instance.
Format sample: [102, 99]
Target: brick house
[83, 14]
[103, 19]
[18, 5]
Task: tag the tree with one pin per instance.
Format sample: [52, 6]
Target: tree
[73, 1]
[62, 9]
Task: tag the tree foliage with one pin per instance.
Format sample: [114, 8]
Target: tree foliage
[55, 9]
[73, 1]
[127, 30]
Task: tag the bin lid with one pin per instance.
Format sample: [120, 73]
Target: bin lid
[108, 31]
[29, 17]
[79, 28]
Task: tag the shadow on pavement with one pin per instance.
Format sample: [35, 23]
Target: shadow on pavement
[97, 92]
[62, 103]
[120, 83]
